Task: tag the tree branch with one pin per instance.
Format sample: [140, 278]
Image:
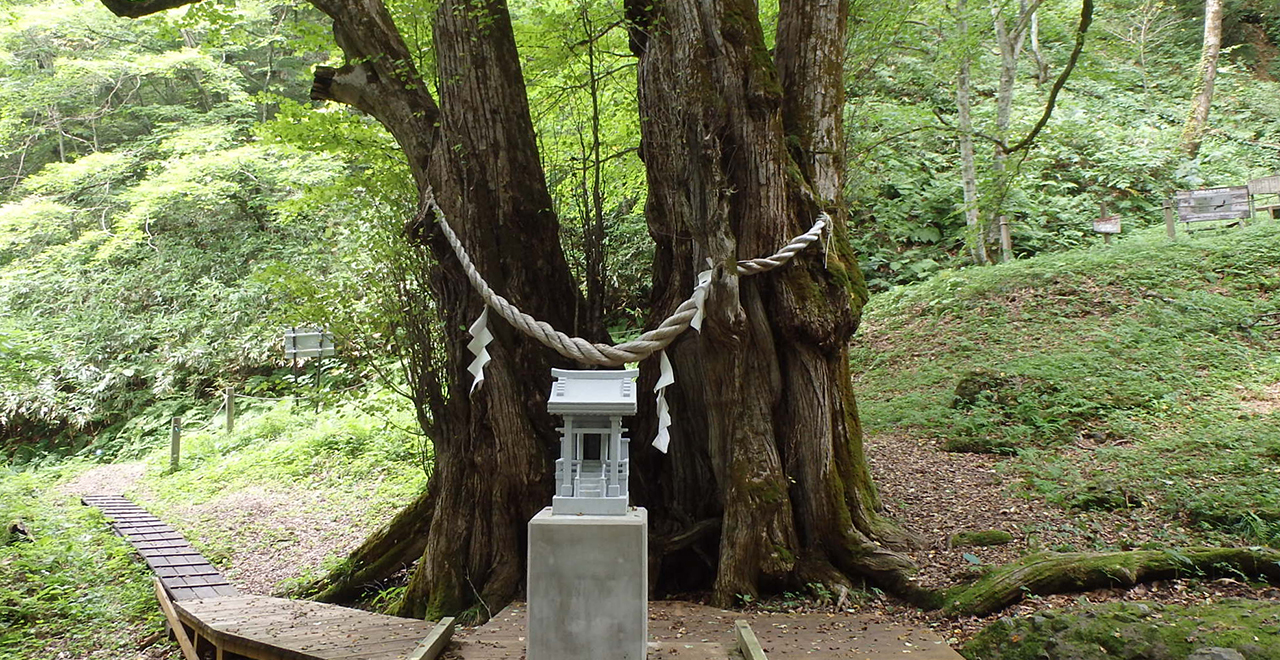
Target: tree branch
[140, 8]
[1086, 17]
[993, 140]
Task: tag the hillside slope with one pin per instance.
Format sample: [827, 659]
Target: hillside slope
[1142, 377]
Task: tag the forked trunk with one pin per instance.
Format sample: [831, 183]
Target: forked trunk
[742, 154]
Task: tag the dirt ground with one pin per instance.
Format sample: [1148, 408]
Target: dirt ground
[681, 630]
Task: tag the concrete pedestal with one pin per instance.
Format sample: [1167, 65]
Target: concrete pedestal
[588, 587]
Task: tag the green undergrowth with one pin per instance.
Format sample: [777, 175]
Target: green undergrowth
[77, 588]
[282, 443]
[1133, 631]
[1143, 374]
[68, 587]
[357, 461]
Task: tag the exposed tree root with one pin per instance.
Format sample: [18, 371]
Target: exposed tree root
[398, 544]
[1050, 573]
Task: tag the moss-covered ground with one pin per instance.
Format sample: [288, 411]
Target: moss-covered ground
[1133, 631]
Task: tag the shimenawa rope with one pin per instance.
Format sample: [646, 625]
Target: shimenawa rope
[605, 355]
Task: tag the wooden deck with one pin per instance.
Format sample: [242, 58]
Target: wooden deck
[211, 619]
[277, 628]
[184, 573]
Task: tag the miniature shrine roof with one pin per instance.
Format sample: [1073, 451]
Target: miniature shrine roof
[599, 392]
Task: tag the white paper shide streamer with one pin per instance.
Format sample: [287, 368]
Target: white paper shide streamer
[666, 377]
[481, 337]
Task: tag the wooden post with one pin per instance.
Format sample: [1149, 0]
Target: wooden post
[175, 624]
[1168, 219]
[1006, 241]
[1102, 213]
[175, 443]
[230, 399]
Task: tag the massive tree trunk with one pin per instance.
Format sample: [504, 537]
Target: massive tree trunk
[742, 152]
[1193, 131]
[477, 153]
[493, 449]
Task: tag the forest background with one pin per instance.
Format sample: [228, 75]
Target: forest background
[172, 200]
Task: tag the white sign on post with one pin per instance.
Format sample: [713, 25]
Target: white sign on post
[1107, 225]
[307, 342]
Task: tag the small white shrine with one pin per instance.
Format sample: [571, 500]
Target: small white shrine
[594, 465]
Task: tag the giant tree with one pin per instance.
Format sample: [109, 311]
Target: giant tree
[766, 484]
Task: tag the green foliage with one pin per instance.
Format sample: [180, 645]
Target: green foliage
[70, 588]
[1113, 137]
[147, 226]
[1147, 354]
[583, 100]
[359, 442]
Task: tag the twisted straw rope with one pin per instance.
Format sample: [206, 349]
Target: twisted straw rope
[605, 355]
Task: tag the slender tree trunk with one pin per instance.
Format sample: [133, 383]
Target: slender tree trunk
[741, 156]
[1193, 131]
[1042, 64]
[1009, 41]
[976, 231]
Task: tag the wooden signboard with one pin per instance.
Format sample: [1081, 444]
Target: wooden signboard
[1227, 203]
[1265, 193]
[1269, 185]
[305, 342]
[1107, 225]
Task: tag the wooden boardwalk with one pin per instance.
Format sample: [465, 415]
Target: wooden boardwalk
[185, 574]
[211, 618]
[271, 628]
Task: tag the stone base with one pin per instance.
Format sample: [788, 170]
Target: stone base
[589, 506]
[588, 586]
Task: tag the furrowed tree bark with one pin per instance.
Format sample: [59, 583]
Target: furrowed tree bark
[742, 154]
[493, 448]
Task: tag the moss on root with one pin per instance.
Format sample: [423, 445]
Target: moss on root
[1133, 631]
[1050, 572]
[980, 538]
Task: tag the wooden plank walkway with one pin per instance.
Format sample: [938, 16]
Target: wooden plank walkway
[185, 574]
[222, 623]
[277, 628]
